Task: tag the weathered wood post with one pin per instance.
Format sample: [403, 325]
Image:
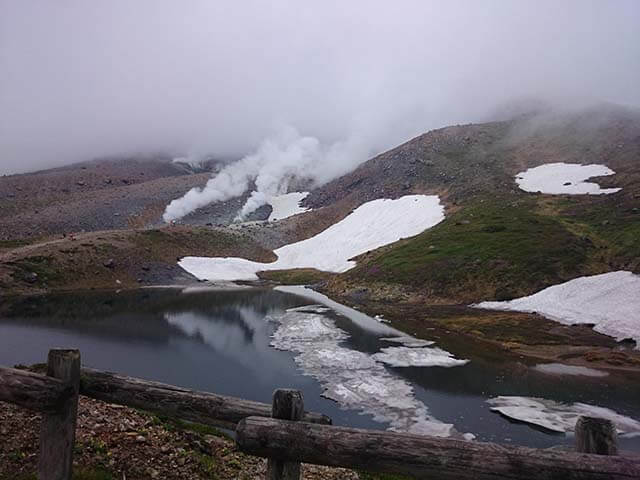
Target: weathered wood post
[596, 435]
[287, 405]
[58, 430]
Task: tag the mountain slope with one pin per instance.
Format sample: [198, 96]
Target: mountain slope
[498, 241]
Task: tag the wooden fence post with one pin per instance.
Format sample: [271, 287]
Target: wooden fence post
[287, 405]
[58, 430]
[596, 435]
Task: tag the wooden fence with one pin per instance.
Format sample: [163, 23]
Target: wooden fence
[287, 435]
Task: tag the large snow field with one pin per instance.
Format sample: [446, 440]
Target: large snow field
[564, 178]
[370, 226]
[286, 205]
[610, 301]
[559, 417]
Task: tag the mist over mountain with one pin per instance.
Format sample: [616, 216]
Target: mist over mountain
[82, 79]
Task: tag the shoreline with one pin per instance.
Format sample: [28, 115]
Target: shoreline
[523, 337]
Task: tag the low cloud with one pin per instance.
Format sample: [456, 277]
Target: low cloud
[87, 79]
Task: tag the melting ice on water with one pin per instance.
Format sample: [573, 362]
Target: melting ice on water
[559, 417]
[354, 379]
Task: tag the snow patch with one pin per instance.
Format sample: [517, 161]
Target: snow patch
[368, 227]
[562, 369]
[352, 378]
[559, 417]
[286, 205]
[564, 178]
[610, 301]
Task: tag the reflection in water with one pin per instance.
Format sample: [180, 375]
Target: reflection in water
[245, 341]
[219, 341]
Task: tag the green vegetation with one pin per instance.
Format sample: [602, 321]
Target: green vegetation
[42, 265]
[91, 474]
[175, 423]
[13, 243]
[296, 276]
[505, 247]
[208, 465]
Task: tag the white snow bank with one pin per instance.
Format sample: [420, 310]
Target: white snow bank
[352, 378]
[368, 227]
[417, 357]
[559, 417]
[611, 301]
[564, 178]
[562, 369]
[286, 205]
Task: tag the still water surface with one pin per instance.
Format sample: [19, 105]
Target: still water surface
[218, 341]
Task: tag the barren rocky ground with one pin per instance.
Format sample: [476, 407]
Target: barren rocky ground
[118, 443]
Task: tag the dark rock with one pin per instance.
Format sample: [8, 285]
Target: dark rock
[627, 343]
[109, 263]
[31, 277]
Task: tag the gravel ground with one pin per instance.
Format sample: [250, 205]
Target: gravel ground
[122, 443]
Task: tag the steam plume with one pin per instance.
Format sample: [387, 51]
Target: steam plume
[279, 159]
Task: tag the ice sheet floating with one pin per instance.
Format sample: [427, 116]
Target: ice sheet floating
[352, 378]
[417, 357]
[368, 227]
[611, 301]
[559, 417]
[287, 205]
[562, 369]
[564, 178]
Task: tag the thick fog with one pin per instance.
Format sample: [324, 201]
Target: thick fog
[327, 82]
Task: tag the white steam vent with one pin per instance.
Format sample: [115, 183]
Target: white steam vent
[280, 159]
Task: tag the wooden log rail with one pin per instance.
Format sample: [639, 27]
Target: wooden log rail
[56, 396]
[420, 456]
[33, 391]
[177, 402]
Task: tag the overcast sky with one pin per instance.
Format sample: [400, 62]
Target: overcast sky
[81, 79]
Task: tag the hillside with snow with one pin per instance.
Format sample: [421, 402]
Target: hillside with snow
[493, 212]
